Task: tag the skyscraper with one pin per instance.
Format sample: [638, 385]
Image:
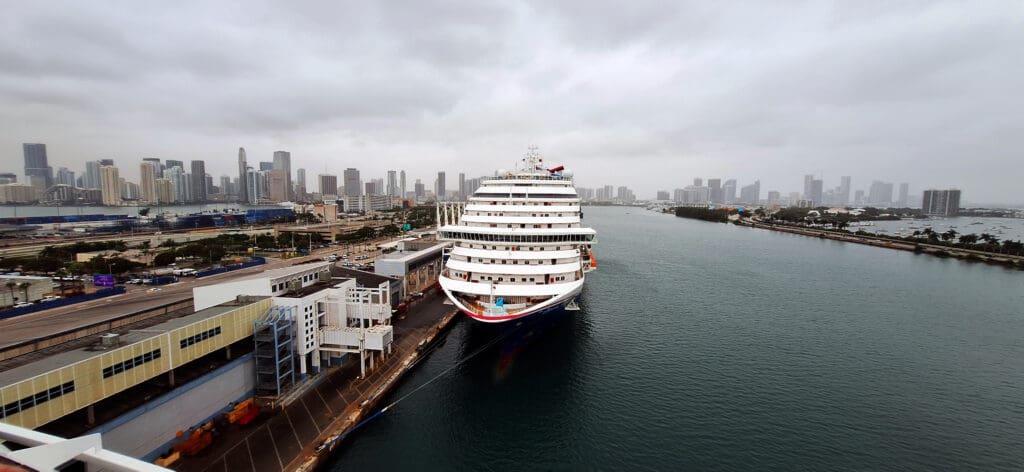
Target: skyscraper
[110, 185]
[300, 180]
[266, 165]
[226, 188]
[283, 161]
[715, 190]
[808, 182]
[462, 186]
[328, 186]
[439, 187]
[941, 202]
[816, 195]
[844, 190]
[751, 194]
[401, 183]
[729, 191]
[199, 190]
[65, 176]
[901, 200]
[392, 183]
[173, 163]
[38, 172]
[352, 183]
[243, 178]
[880, 193]
[278, 185]
[91, 179]
[147, 181]
[419, 190]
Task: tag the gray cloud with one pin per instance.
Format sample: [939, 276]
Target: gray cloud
[645, 94]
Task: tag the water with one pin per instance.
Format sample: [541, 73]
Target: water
[704, 346]
[1002, 228]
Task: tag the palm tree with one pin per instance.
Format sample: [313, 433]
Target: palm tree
[948, 235]
[10, 286]
[24, 287]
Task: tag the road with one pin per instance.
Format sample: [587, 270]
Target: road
[47, 322]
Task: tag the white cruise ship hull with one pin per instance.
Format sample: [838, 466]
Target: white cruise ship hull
[555, 304]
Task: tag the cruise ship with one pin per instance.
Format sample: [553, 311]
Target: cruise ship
[519, 247]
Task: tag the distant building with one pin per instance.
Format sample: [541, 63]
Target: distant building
[880, 194]
[147, 181]
[419, 189]
[283, 161]
[751, 194]
[728, 191]
[663, 195]
[164, 191]
[8, 178]
[243, 180]
[18, 193]
[401, 184]
[462, 186]
[901, 200]
[36, 165]
[439, 186]
[110, 185]
[199, 190]
[774, 197]
[328, 186]
[266, 165]
[392, 190]
[277, 185]
[941, 202]
[715, 190]
[678, 195]
[352, 187]
[844, 190]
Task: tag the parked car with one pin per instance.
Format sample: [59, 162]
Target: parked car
[415, 294]
[22, 305]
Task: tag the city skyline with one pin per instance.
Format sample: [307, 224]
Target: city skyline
[278, 186]
[891, 92]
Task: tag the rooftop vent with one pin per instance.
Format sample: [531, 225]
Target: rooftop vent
[110, 340]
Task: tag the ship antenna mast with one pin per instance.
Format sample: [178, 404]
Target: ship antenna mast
[533, 159]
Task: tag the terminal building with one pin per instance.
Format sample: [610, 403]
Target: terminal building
[259, 337]
[417, 262]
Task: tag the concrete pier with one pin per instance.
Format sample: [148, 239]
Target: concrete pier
[288, 438]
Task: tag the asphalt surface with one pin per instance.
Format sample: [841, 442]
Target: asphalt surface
[47, 322]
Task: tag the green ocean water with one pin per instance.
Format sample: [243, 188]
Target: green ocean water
[704, 346]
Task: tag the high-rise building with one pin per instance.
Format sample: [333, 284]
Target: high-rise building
[266, 165]
[178, 179]
[462, 186]
[663, 195]
[283, 161]
[715, 190]
[65, 177]
[808, 179]
[941, 202]
[751, 194]
[164, 191]
[678, 195]
[698, 182]
[351, 183]
[401, 184]
[91, 178]
[439, 186]
[774, 197]
[328, 186]
[252, 185]
[277, 185]
[816, 195]
[226, 188]
[110, 185]
[901, 199]
[300, 184]
[8, 178]
[728, 191]
[844, 190]
[880, 194]
[419, 190]
[858, 198]
[173, 163]
[147, 181]
[392, 189]
[156, 165]
[625, 195]
[36, 166]
[199, 190]
[243, 177]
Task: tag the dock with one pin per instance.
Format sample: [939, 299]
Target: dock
[301, 435]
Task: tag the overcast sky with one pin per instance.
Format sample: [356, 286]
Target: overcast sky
[644, 94]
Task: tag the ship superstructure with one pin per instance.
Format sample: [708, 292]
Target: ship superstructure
[519, 244]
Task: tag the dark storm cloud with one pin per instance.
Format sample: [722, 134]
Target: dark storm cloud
[646, 94]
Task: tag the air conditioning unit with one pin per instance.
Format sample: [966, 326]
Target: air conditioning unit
[295, 285]
[110, 340]
[324, 276]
